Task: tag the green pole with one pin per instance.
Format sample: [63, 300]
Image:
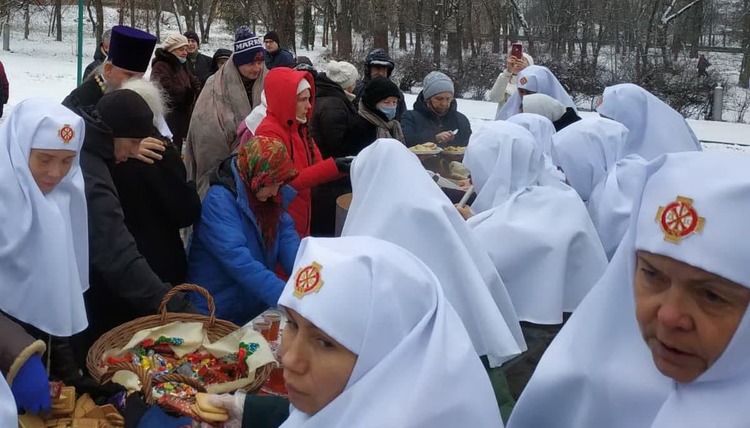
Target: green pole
[80, 42]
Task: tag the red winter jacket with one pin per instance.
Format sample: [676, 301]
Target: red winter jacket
[281, 123]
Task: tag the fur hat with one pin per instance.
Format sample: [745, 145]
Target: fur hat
[126, 113]
[247, 47]
[174, 41]
[435, 83]
[342, 73]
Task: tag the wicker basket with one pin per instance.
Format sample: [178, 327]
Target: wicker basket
[120, 336]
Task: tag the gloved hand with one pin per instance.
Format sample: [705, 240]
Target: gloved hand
[234, 406]
[31, 387]
[344, 165]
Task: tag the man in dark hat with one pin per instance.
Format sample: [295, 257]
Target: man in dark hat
[379, 63]
[198, 64]
[129, 53]
[275, 55]
[122, 285]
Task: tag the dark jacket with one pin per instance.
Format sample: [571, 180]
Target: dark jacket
[157, 202]
[421, 124]
[87, 94]
[570, 117]
[4, 88]
[99, 58]
[182, 90]
[338, 131]
[220, 53]
[264, 411]
[228, 255]
[400, 109]
[199, 65]
[122, 286]
[281, 58]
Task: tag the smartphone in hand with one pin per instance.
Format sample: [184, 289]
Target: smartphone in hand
[516, 50]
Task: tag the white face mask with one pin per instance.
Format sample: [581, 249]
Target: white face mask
[182, 60]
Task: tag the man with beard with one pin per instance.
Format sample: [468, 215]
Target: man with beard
[129, 53]
[225, 101]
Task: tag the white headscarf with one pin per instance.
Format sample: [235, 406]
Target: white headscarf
[397, 201]
[256, 116]
[586, 150]
[544, 105]
[501, 162]
[611, 201]
[416, 367]
[540, 237]
[655, 128]
[43, 238]
[598, 371]
[543, 130]
[8, 412]
[539, 80]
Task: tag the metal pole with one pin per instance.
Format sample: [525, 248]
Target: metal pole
[718, 103]
[80, 42]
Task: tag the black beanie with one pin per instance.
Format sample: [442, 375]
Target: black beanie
[377, 90]
[126, 113]
[190, 34]
[273, 36]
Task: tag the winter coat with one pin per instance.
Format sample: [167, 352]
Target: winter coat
[338, 131]
[122, 286]
[281, 124]
[228, 255]
[87, 94]
[158, 202]
[199, 65]
[570, 117]
[99, 58]
[421, 124]
[400, 109]
[181, 87]
[221, 106]
[16, 346]
[220, 53]
[4, 88]
[281, 58]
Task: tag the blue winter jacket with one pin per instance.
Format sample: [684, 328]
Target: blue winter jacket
[227, 254]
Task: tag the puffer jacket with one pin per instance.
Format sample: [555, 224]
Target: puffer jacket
[421, 124]
[281, 124]
[227, 253]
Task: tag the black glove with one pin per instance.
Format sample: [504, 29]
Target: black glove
[344, 165]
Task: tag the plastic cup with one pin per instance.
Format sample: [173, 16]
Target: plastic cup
[273, 317]
[263, 327]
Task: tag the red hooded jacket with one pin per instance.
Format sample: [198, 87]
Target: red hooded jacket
[281, 123]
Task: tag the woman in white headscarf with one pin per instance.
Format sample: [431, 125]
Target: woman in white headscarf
[662, 339]
[394, 199]
[535, 80]
[587, 152]
[535, 228]
[43, 241]
[655, 128]
[543, 131]
[371, 341]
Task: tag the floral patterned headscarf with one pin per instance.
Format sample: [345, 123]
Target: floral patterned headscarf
[261, 162]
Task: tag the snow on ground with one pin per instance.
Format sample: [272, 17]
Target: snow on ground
[41, 66]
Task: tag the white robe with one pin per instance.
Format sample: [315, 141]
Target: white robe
[599, 372]
[539, 80]
[416, 366]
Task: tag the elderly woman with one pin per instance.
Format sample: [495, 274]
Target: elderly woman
[378, 106]
[370, 341]
[244, 231]
[169, 69]
[43, 244]
[663, 339]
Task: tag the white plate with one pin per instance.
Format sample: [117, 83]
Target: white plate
[427, 152]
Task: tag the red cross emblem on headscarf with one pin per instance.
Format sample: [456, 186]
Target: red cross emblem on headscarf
[679, 219]
[308, 280]
[66, 133]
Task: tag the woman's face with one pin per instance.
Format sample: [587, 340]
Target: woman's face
[181, 52]
[316, 367]
[388, 102]
[266, 192]
[303, 104]
[687, 316]
[49, 167]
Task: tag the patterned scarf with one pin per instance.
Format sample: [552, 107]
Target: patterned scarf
[384, 129]
[264, 161]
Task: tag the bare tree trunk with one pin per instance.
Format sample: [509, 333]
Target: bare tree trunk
[437, 33]
[344, 28]
[157, 16]
[419, 30]
[307, 24]
[58, 19]
[212, 11]
[401, 28]
[176, 12]
[745, 69]
[26, 21]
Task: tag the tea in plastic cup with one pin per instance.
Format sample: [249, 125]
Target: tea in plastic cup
[273, 317]
[263, 327]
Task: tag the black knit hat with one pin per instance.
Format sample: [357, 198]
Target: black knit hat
[273, 36]
[126, 113]
[192, 35]
[377, 90]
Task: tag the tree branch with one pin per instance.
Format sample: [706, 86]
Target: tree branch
[666, 18]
